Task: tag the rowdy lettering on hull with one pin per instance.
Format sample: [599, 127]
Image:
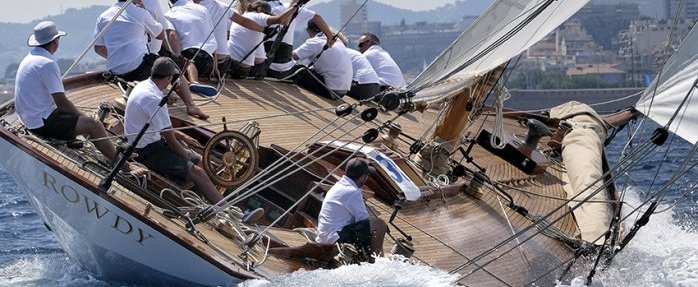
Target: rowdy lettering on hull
[93, 208]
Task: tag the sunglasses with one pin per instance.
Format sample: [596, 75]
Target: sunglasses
[361, 45]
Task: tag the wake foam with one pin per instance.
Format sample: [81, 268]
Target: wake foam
[384, 272]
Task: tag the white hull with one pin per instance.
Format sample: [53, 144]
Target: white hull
[103, 239]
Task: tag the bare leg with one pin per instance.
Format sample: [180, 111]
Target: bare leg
[378, 230]
[204, 184]
[192, 73]
[192, 109]
[92, 128]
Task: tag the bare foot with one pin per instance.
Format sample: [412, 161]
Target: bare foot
[195, 111]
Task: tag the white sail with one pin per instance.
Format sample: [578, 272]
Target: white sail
[506, 29]
[673, 86]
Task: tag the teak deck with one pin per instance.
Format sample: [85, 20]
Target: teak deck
[448, 229]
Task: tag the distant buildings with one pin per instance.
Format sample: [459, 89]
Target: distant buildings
[604, 21]
[412, 46]
[689, 11]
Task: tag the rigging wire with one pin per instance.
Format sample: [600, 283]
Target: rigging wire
[536, 223]
[537, 9]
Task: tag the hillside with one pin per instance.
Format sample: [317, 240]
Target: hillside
[390, 15]
[78, 23]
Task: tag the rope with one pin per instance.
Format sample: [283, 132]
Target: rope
[499, 139]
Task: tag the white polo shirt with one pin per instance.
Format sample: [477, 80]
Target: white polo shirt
[219, 11]
[362, 69]
[384, 65]
[343, 205]
[304, 15]
[142, 103]
[127, 39]
[334, 64]
[192, 23]
[37, 78]
[155, 10]
[243, 40]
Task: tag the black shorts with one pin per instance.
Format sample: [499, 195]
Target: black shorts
[236, 71]
[357, 233]
[364, 91]
[283, 54]
[59, 125]
[314, 82]
[159, 157]
[203, 61]
[142, 72]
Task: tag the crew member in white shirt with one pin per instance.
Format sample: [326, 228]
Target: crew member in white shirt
[384, 65]
[159, 149]
[330, 76]
[125, 46]
[242, 40]
[343, 216]
[219, 12]
[40, 99]
[365, 83]
[282, 64]
[193, 26]
[158, 46]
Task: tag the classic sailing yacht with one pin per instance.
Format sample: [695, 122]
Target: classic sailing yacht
[500, 198]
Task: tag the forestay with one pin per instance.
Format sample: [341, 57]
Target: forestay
[672, 87]
[506, 29]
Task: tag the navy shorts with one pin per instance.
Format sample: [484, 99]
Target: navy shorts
[203, 61]
[159, 157]
[357, 233]
[59, 125]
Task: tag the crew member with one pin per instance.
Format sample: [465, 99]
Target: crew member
[282, 64]
[159, 149]
[343, 216]
[365, 83]
[219, 12]
[193, 26]
[331, 74]
[124, 45]
[243, 41]
[40, 99]
[384, 65]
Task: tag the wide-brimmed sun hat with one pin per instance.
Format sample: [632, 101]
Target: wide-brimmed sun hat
[44, 33]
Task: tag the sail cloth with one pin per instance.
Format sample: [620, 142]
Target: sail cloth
[506, 29]
[674, 84]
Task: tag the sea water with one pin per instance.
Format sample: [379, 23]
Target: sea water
[664, 253]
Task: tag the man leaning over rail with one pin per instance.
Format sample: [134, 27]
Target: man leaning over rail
[343, 217]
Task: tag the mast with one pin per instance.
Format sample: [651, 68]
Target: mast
[450, 128]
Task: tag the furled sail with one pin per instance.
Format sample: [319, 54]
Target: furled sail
[672, 87]
[506, 29]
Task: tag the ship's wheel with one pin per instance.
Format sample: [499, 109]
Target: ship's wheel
[230, 158]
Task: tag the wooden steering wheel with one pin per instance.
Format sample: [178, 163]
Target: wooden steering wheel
[230, 158]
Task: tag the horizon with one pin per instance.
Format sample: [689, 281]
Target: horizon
[26, 11]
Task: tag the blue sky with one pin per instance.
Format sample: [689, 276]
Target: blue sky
[27, 10]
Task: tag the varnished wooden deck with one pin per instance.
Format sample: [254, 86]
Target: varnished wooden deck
[448, 231]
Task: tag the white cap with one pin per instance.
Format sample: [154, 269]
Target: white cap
[44, 33]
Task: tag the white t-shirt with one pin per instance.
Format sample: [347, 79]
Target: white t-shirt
[37, 78]
[343, 205]
[192, 23]
[219, 11]
[363, 71]
[153, 6]
[334, 64]
[127, 39]
[304, 15]
[142, 103]
[384, 65]
[243, 40]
